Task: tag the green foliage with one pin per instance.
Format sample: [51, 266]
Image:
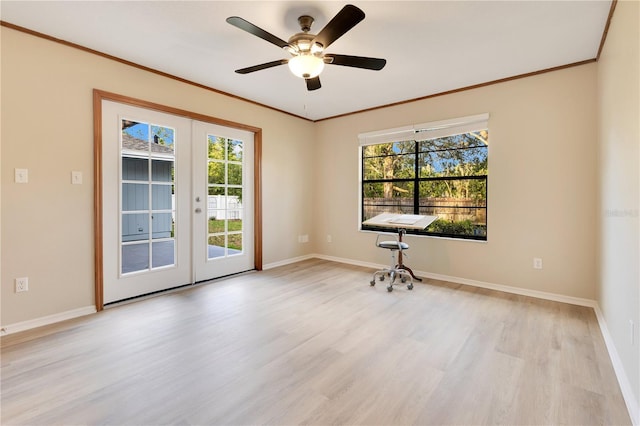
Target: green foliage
[164, 134]
[452, 156]
[450, 173]
[234, 240]
[225, 164]
[217, 226]
[461, 227]
[463, 189]
[389, 160]
[394, 166]
[224, 149]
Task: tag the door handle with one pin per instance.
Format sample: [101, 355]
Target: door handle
[197, 199]
[198, 210]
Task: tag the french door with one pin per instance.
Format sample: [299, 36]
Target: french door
[223, 187]
[177, 201]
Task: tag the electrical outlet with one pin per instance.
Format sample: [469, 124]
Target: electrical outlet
[22, 284]
[21, 176]
[632, 332]
[537, 263]
[329, 239]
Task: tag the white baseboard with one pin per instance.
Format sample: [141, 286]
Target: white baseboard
[514, 290]
[287, 261]
[351, 261]
[623, 380]
[49, 319]
[465, 281]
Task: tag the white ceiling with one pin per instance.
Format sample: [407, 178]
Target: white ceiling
[430, 46]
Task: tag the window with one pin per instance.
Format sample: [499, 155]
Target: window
[438, 169]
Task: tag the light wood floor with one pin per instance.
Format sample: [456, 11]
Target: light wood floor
[312, 343]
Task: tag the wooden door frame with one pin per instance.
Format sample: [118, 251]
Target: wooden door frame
[101, 95]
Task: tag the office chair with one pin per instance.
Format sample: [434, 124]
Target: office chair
[395, 270]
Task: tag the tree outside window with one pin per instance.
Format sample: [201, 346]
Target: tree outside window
[444, 177]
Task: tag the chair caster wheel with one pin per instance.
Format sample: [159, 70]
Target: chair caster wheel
[372, 283]
[381, 278]
[410, 286]
[403, 279]
[390, 289]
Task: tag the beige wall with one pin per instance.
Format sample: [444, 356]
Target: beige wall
[47, 127]
[618, 290]
[541, 197]
[536, 186]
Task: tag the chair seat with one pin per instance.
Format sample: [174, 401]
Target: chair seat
[393, 245]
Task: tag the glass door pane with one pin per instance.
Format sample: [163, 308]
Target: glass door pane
[224, 199]
[148, 212]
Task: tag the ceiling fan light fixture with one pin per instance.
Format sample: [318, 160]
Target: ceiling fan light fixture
[304, 45]
[306, 65]
[316, 48]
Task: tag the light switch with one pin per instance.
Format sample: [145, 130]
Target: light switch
[22, 176]
[76, 178]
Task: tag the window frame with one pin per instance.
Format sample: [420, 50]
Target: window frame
[417, 134]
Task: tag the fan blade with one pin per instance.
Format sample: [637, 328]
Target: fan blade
[356, 61]
[313, 83]
[346, 19]
[262, 66]
[247, 26]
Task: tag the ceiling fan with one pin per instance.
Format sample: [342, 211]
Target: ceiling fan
[307, 50]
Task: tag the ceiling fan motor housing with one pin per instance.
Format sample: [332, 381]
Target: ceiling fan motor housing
[305, 22]
[302, 43]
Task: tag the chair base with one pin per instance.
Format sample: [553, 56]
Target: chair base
[393, 274]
